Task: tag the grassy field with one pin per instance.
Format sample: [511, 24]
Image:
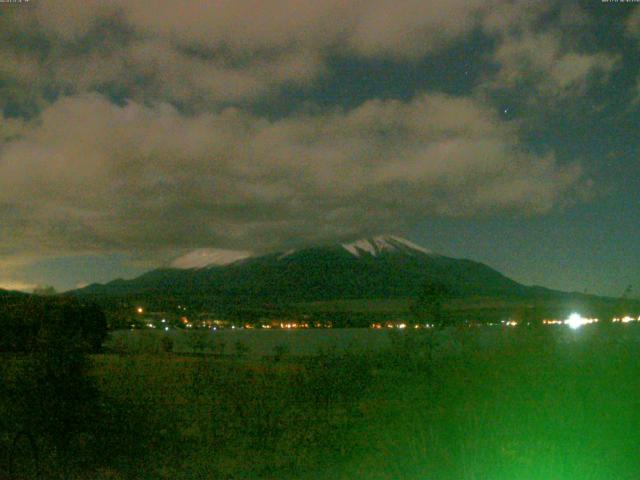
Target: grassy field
[255, 343]
[545, 403]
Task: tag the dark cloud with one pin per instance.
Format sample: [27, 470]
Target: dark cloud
[92, 175]
[127, 124]
[220, 53]
[541, 53]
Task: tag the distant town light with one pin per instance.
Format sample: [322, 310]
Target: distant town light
[553, 322]
[625, 319]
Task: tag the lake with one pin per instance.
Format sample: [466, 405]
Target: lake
[259, 342]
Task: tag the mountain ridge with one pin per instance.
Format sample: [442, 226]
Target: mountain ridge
[214, 257]
[383, 266]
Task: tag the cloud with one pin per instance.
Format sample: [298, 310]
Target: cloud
[538, 62]
[13, 263]
[413, 28]
[128, 50]
[205, 55]
[89, 176]
[632, 24]
[17, 285]
[127, 141]
[370, 27]
[632, 28]
[538, 53]
[209, 53]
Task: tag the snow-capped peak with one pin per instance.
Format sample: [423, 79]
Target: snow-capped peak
[383, 243]
[209, 257]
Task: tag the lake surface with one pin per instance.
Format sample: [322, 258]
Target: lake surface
[258, 342]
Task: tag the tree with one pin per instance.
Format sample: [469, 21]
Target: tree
[27, 321]
[428, 306]
[45, 291]
[54, 400]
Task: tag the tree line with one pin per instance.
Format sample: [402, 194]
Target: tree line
[48, 399]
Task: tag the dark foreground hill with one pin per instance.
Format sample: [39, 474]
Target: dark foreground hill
[11, 294]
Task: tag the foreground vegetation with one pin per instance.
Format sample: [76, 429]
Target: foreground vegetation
[541, 403]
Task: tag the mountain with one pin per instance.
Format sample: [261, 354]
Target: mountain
[377, 267]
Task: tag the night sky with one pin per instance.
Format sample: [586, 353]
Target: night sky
[134, 132]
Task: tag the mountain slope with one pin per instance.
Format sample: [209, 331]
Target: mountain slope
[378, 267]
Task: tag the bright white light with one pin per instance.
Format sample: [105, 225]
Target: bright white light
[166, 329]
[576, 320]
